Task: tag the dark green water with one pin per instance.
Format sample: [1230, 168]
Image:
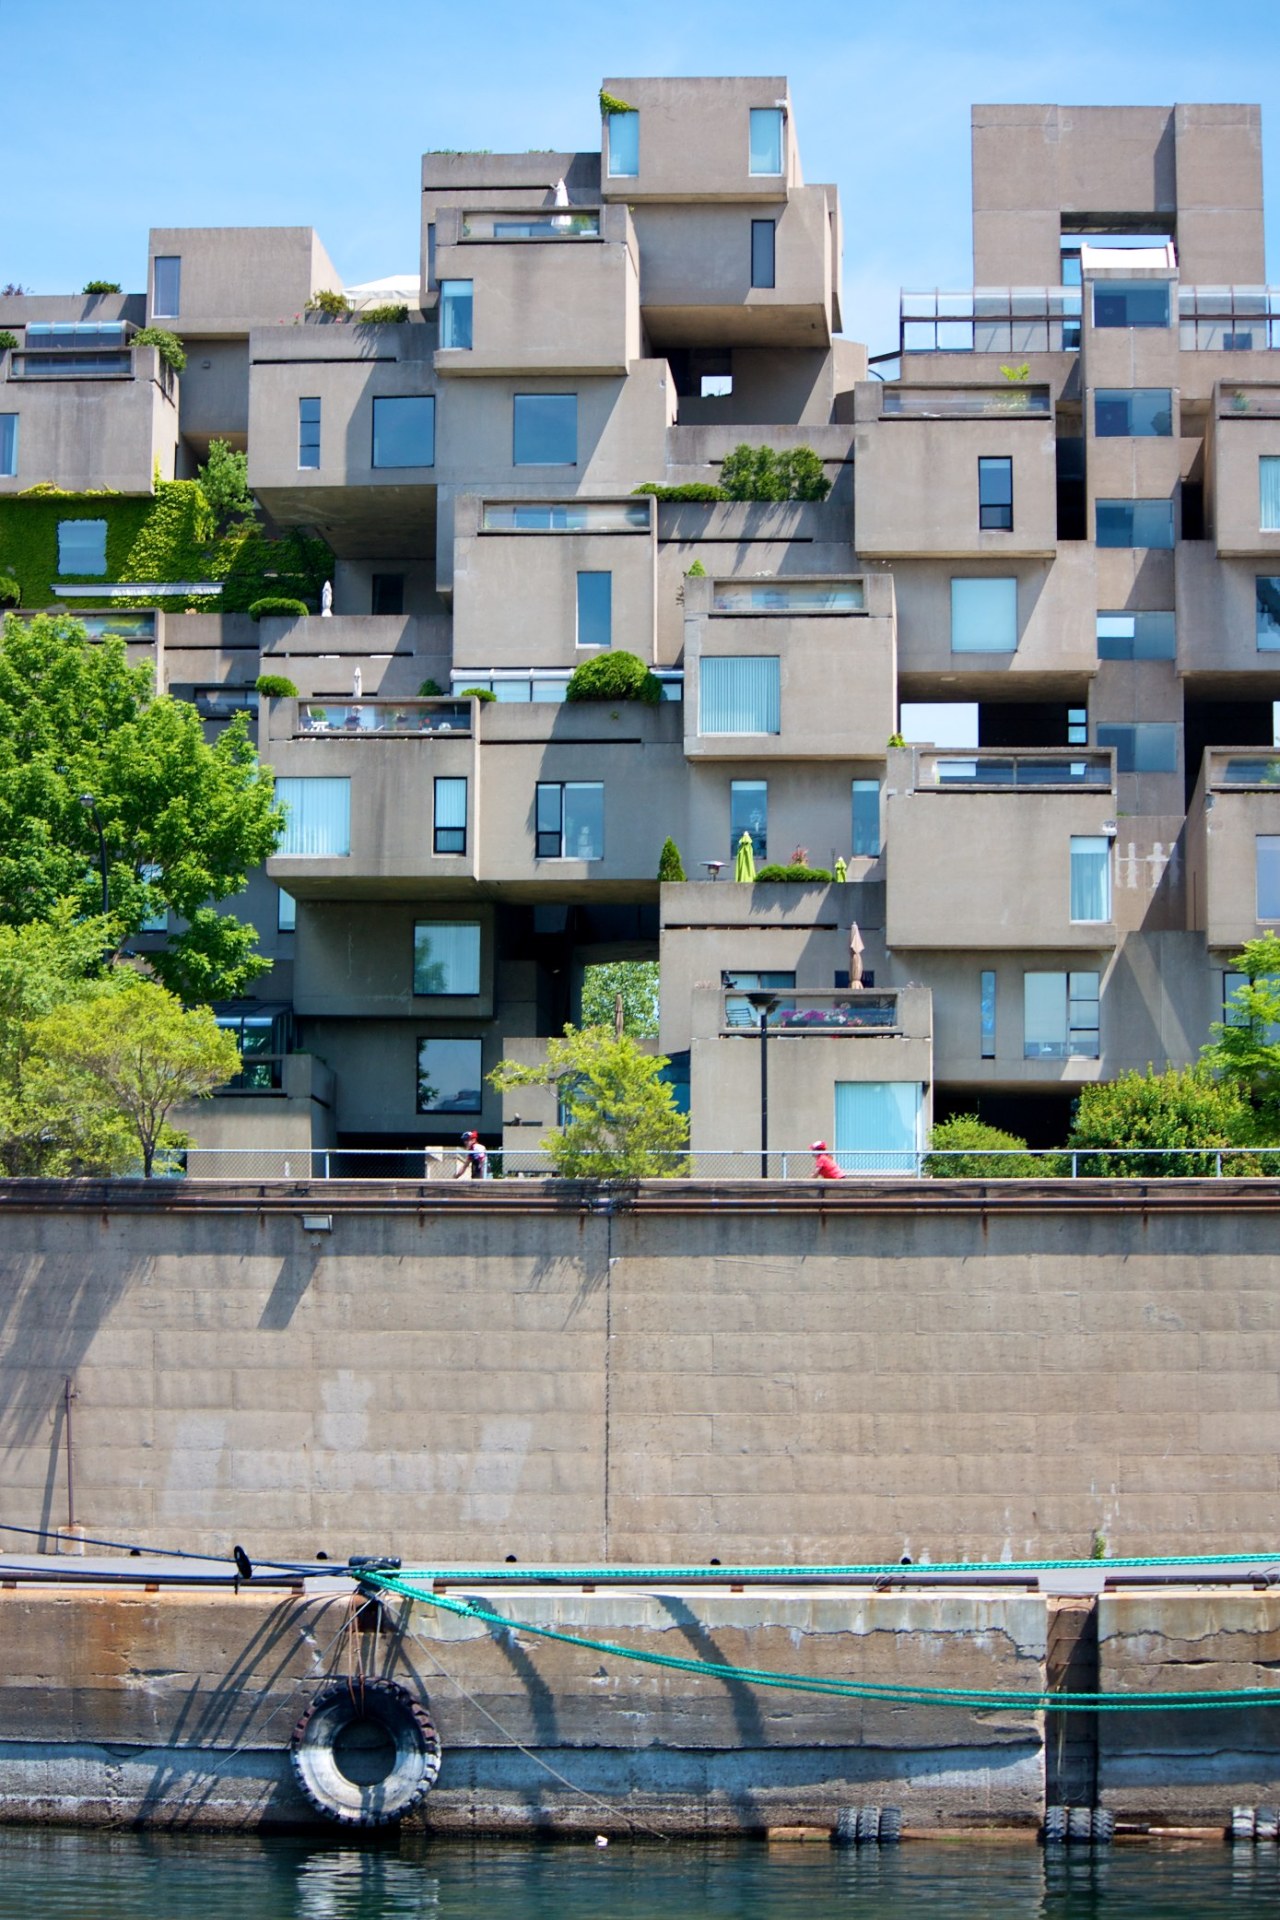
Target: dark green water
[139, 1877]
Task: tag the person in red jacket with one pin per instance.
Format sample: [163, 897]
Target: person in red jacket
[824, 1167]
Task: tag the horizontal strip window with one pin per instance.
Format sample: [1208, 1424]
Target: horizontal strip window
[964, 403]
[550, 686]
[1131, 303]
[1134, 523]
[788, 596]
[580, 224]
[75, 333]
[72, 366]
[579, 516]
[1133, 413]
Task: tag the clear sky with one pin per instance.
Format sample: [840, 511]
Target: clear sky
[316, 112]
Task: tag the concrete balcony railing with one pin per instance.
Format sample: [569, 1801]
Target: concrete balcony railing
[400, 718]
[829, 1013]
[1232, 840]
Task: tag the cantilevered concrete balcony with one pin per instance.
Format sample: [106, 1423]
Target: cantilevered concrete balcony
[1233, 846]
[1243, 469]
[93, 411]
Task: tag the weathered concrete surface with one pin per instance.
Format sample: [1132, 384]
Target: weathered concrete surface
[767, 1375]
[1191, 1766]
[175, 1709]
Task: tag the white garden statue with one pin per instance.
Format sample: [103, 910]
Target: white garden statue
[326, 600]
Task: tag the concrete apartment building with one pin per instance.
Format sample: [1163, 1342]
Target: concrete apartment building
[1055, 510]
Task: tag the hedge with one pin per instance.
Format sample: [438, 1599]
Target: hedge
[614, 676]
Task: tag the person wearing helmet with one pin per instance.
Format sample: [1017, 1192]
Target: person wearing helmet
[475, 1159]
[824, 1166]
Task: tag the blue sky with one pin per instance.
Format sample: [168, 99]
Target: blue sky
[272, 112]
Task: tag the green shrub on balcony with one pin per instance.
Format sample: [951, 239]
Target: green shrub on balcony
[10, 591]
[101, 286]
[614, 676]
[390, 315]
[8, 341]
[761, 473]
[333, 306]
[278, 606]
[275, 686]
[694, 490]
[477, 693]
[429, 689]
[166, 344]
[801, 876]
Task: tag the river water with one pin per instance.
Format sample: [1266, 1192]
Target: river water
[148, 1877]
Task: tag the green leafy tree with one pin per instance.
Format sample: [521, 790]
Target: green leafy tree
[966, 1148]
[1180, 1112]
[1245, 1050]
[636, 981]
[95, 773]
[224, 478]
[622, 1119]
[128, 1053]
[759, 473]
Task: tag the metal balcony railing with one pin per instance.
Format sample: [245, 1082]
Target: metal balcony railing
[962, 771]
[1009, 320]
[838, 1011]
[405, 719]
[1229, 319]
[1012, 402]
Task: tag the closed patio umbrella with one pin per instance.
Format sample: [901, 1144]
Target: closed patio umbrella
[744, 860]
[855, 955]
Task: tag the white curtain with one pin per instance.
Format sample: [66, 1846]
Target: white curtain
[878, 1126]
[319, 816]
[1090, 877]
[739, 694]
[1269, 492]
[984, 615]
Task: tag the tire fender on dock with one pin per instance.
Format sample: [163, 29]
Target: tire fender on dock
[365, 1752]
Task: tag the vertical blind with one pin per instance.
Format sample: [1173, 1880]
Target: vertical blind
[878, 1125]
[739, 694]
[1269, 492]
[1090, 877]
[446, 956]
[318, 816]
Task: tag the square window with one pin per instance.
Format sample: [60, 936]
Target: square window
[595, 610]
[766, 140]
[1137, 303]
[624, 144]
[455, 313]
[166, 286]
[1138, 413]
[1267, 591]
[569, 819]
[763, 237]
[8, 445]
[82, 546]
[404, 430]
[1136, 636]
[545, 430]
[317, 816]
[1134, 523]
[739, 694]
[995, 494]
[749, 813]
[866, 818]
[309, 432]
[1268, 876]
[450, 813]
[1269, 492]
[1060, 1016]
[1151, 747]
[984, 616]
[1090, 879]
[446, 957]
[450, 1076]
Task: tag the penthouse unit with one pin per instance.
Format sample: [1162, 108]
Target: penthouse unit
[1008, 673]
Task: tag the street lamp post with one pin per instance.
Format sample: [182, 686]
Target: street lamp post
[764, 1004]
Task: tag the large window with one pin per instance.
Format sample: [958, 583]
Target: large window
[1268, 874]
[866, 818]
[1149, 747]
[455, 313]
[595, 609]
[749, 813]
[1269, 492]
[624, 144]
[995, 494]
[1090, 879]
[1135, 523]
[446, 956]
[766, 140]
[1134, 413]
[878, 1125]
[1060, 1016]
[1131, 303]
[545, 430]
[450, 813]
[1268, 613]
[82, 546]
[570, 820]
[450, 1076]
[8, 445]
[309, 432]
[1137, 636]
[763, 234]
[166, 286]
[404, 430]
[984, 616]
[317, 816]
[739, 694]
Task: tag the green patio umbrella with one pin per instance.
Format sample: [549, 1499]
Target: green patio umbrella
[744, 861]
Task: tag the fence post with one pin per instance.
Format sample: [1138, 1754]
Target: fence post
[1217, 1169]
[1075, 1165]
[325, 1174]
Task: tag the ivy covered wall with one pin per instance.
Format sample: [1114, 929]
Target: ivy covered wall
[170, 536]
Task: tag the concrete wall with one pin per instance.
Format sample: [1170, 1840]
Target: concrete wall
[234, 278]
[94, 433]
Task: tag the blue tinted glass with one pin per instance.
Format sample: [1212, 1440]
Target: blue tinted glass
[766, 140]
[1137, 303]
[309, 433]
[984, 616]
[1268, 592]
[8, 444]
[1135, 523]
[1132, 412]
[166, 285]
[866, 818]
[449, 1076]
[455, 313]
[546, 430]
[595, 609]
[749, 813]
[763, 233]
[82, 546]
[624, 144]
[1136, 636]
[404, 431]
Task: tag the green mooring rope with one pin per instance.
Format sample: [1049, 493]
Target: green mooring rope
[976, 1699]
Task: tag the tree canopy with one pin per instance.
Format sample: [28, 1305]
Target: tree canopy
[1245, 1049]
[621, 1118]
[1186, 1112]
[95, 771]
[636, 981]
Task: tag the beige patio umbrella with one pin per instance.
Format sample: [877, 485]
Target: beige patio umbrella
[855, 955]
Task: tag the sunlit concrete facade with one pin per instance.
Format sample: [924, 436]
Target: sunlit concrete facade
[1055, 511]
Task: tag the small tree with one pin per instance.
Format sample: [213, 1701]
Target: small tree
[224, 478]
[636, 981]
[966, 1148]
[1244, 1052]
[131, 1052]
[622, 1122]
[1181, 1112]
[670, 865]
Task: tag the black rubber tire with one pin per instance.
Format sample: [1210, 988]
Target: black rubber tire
[890, 1826]
[1054, 1831]
[868, 1826]
[845, 1831]
[1266, 1825]
[1242, 1825]
[1079, 1826]
[414, 1743]
[1104, 1826]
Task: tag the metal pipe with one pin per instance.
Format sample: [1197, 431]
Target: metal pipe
[68, 1395]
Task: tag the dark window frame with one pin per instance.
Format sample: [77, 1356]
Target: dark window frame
[544, 837]
[764, 253]
[439, 833]
[995, 493]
